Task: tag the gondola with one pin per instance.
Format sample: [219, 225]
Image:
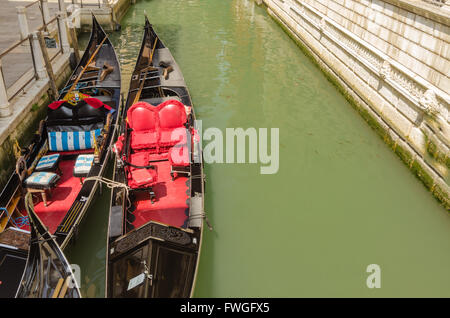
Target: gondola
[156, 216]
[47, 273]
[69, 152]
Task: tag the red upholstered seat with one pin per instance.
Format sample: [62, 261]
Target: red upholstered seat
[179, 156]
[139, 159]
[172, 116]
[173, 137]
[144, 139]
[156, 129]
[141, 177]
[143, 120]
[142, 117]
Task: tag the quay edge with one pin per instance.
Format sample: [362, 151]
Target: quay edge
[429, 162]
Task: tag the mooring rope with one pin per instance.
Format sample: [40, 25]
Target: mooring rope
[18, 222]
[202, 216]
[111, 184]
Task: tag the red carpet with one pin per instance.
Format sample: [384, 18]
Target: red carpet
[170, 206]
[60, 199]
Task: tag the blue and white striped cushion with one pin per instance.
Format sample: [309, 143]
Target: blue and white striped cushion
[41, 179]
[83, 165]
[47, 162]
[72, 140]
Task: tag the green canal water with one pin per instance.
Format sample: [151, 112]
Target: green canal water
[341, 199]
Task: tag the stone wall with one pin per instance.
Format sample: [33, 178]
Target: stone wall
[392, 60]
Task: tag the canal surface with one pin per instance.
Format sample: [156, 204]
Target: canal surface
[341, 199]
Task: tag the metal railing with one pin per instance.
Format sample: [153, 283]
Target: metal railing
[53, 32]
[40, 5]
[18, 63]
[19, 75]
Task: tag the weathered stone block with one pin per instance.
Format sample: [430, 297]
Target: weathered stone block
[417, 139]
[389, 9]
[396, 119]
[424, 24]
[388, 93]
[405, 59]
[403, 151]
[377, 5]
[360, 8]
[428, 41]
[407, 109]
[373, 81]
[375, 100]
[384, 34]
[412, 34]
[406, 16]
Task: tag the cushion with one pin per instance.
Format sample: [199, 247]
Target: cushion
[72, 140]
[41, 180]
[179, 156]
[142, 117]
[139, 159]
[49, 162]
[141, 177]
[172, 114]
[83, 165]
[141, 140]
[173, 137]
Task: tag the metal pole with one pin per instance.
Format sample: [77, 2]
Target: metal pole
[23, 23]
[5, 107]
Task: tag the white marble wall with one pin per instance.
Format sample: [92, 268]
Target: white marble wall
[392, 57]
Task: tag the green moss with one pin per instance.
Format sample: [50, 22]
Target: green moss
[24, 134]
[35, 107]
[442, 197]
[426, 179]
[404, 155]
[434, 152]
[389, 141]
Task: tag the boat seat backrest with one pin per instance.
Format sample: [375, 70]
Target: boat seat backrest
[142, 117]
[74, 127]
[172, 114]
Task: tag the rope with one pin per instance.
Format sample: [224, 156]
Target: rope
[18, 222]
[79, 85]
[202, 216]
[111, 184]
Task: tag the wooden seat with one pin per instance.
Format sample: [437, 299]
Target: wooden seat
[41, 182]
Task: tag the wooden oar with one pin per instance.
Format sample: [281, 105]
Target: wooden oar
[83, 69]
[138, 94]
[58, 288]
